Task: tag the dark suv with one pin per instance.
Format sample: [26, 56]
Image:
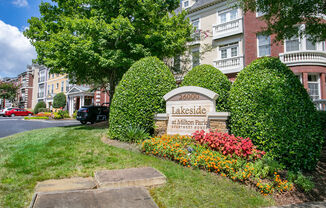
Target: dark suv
[92, 114]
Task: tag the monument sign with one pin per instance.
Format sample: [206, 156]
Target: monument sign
[189, 109]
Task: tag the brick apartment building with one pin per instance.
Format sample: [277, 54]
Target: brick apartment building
[25, 92]
[235, 41]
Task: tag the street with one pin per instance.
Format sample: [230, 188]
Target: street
[9, 126]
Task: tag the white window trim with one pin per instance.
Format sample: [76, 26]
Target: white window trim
[318, 82]
[228, 50]
[195, 50]
[270, 46]
[300, 77]
[194, 18]
[219, 12]
[303, 43]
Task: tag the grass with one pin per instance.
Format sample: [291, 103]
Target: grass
[63, 152]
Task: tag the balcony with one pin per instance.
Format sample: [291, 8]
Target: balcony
[304, 58]
[230, 65]
[226, 29]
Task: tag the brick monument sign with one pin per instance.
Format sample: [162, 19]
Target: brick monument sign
[189, 109]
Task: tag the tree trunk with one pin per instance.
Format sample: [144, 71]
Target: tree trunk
[112, 84]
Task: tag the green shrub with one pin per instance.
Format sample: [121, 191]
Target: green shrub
[269, 105]
[74, 115]
[39, 105]
[61, 114]
[139, 96]
[135, 134]
[303, 182]
[209, 77]
[44, 110]
[322, 119]
[59, 100]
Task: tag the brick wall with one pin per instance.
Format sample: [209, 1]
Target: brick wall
[253, 25]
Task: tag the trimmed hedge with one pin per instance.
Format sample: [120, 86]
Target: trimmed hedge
[209, 77]
[59, 100]
[269, 105]
[139, 95]
[39, 105]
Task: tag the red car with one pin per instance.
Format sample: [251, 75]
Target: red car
[18, 112]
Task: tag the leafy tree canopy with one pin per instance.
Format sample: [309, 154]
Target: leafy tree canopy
[282, 17]
[96, 41]
[8, 91]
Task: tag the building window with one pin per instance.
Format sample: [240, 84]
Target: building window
[264, 45]
[224, 54]
[233, 14]
[228, 16]
[57, 86]
[195, 57]
[52, 89]
[62, 86]
[310, 45]
[52, 75]
[234, 51]
[48, 89]
[67, 85]
[299, 77]
[313, 86]
[292, 44]
[230, 50]
[223, 18]
[195, 24]
[185, 4]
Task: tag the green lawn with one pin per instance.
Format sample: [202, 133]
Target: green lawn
[54, 153]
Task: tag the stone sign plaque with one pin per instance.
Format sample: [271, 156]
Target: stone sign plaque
[188, 109]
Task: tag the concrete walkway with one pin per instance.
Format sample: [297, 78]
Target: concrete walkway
[304, 205]
[123, 188]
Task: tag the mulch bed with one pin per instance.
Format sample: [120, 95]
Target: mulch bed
[317, 194]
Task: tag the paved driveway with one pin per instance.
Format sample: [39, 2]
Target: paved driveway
[9, 126]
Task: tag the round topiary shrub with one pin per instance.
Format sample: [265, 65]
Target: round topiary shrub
[269, 104]
[59, 100]
[39, 105]
[138, 96]
[209, 77]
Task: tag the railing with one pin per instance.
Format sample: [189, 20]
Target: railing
[228, 28]
[304, 57]
[320, 104]
[234, 64]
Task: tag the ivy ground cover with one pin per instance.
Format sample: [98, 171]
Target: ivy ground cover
[246, 166]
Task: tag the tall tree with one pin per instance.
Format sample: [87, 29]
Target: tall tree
[96, 41]
[8, 91]
[283, 17]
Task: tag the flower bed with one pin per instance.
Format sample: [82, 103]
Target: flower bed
[187, 152]
[35, 118]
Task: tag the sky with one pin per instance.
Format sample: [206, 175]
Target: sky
[16, 52]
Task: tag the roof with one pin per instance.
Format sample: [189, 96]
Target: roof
[200, 4]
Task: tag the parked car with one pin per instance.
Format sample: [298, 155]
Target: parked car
[92, 114]
[18, 112]
[2, 111]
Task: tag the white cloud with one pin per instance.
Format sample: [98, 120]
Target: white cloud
[20, 3]
[15, 51]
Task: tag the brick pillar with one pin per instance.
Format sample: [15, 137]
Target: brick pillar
[305, 80]
[322, 85]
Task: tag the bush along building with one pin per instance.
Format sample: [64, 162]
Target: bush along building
[235, 42]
